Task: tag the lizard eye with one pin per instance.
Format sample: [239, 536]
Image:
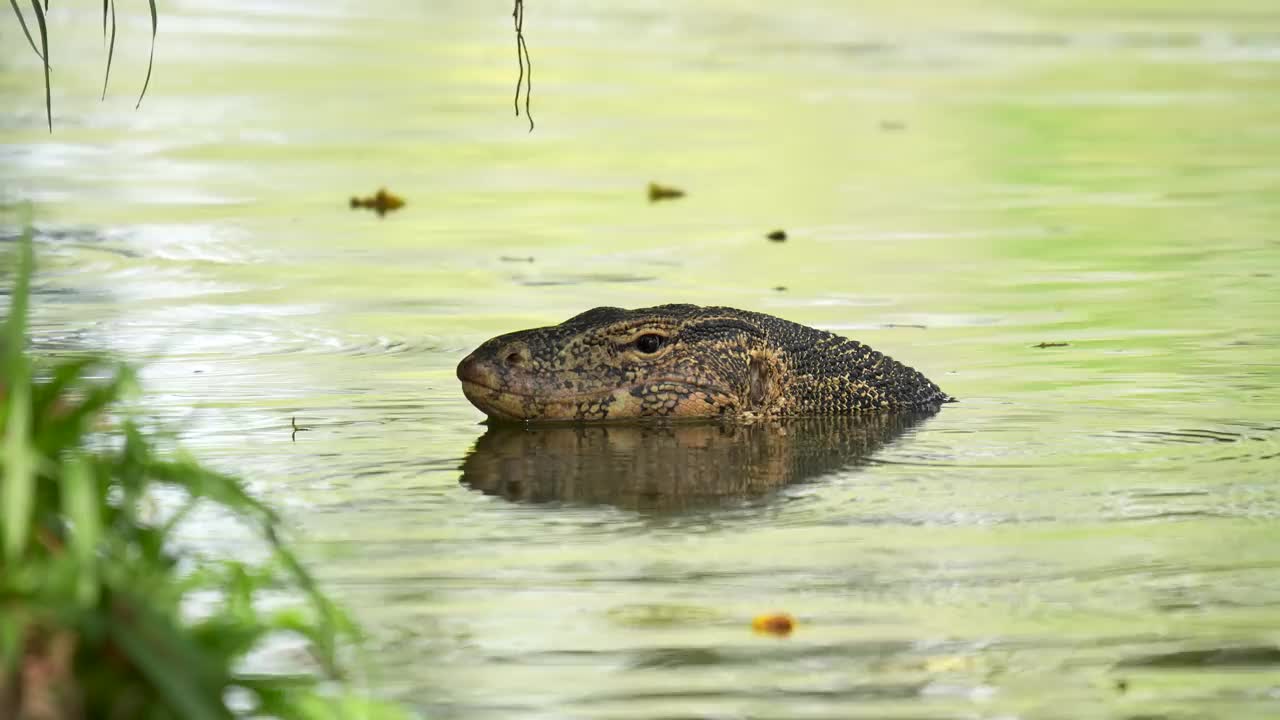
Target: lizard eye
[649, 344]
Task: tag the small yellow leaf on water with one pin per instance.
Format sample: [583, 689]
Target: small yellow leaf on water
[774, 624]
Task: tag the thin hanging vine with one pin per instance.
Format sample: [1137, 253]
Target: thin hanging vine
[42, 50]
[525, 79]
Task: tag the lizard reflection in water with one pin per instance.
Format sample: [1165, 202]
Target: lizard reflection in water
[672, 466]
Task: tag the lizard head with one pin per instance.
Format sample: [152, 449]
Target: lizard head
[612, 364]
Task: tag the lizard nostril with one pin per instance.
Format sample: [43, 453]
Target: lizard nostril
[518, 355]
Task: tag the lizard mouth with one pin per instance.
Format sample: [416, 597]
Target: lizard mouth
[498, 404]
[505, 395]
[513, 405]
[477, 386]
[586, 395]
[606, 405]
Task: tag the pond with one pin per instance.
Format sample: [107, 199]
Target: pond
[1065, 212]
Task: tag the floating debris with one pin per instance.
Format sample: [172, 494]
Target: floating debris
[778, 236]
[949, 664]
[381, 202]
[663, 192]
[892, 125]
[1050, 344]
[780, 288]
[780, 624]
[513, 258]
[294, 422]
[905, 325]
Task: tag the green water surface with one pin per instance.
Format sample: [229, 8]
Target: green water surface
[1093, 531]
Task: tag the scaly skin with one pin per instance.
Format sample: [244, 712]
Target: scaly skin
[684, 361]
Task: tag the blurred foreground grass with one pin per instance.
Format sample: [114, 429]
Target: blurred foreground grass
[102, 613]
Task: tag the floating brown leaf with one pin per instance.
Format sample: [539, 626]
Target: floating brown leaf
[663, 192]
[381, 202]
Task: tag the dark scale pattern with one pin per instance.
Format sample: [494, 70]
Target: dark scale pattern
[693, 361]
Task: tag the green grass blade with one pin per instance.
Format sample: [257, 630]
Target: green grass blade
[178, 516]
[19, 490]
[44, 46]
[199, 482]
[13, 632]
[152, 58]
[23, 22]
[47, 394]
[80, 505]
[165, 655]
[111, 47]
[333, 622]
[66, 407]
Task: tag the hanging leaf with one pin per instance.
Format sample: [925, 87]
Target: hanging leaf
[152, 57]
[23, 22]
[44, 56]
[111, 46]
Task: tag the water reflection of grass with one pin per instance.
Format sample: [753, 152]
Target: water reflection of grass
[102, 612]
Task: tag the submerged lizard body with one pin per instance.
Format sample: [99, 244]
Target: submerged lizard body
[685, 361]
